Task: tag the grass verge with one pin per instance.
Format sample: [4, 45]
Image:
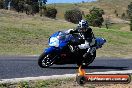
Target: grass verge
[60, 83]
[26, 35]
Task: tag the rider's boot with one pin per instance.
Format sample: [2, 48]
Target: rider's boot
[74, 48]
[89, 52]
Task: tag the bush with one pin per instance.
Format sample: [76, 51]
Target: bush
[123, 16]
[129, 10]
[1, 4]
[95, 17]
[131, 24]
[73, 15]
[35, 7]
[50, 12]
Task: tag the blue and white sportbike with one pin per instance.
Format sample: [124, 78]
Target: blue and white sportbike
[61, 51]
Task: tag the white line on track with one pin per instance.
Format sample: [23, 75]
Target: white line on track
[14, 80]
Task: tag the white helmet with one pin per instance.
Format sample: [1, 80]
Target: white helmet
[83, 24]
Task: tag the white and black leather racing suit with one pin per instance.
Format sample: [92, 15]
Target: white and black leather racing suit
[90, 41]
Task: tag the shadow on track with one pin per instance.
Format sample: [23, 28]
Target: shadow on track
[93, 67]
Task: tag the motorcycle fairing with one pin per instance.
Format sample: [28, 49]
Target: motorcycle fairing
[51, 50]
[55, 41]
[100, 42]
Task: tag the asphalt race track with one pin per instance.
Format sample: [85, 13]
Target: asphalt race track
[22, 66]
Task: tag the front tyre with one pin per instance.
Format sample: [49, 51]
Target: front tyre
[46, 60]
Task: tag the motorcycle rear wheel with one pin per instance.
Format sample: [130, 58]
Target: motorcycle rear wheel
[88, 61]
[85, 64]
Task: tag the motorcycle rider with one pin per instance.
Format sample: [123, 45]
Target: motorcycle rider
[86, 33]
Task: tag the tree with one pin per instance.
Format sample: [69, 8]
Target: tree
[123, 16]
[83, 1]
[97, 11]
[1, 4]
[107, 21]
[42, 6]
[73, 15]
[95, 17]
[115, 12]
[129, 12]
[50, 12]
[116, 15]
[131, 24]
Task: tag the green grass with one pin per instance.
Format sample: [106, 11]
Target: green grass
[27, 35]
[53, 83]
[118, 42]
[117, 26]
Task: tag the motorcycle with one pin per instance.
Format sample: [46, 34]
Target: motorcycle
[61, 51]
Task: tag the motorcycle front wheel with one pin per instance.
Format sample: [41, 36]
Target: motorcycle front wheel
[46, 60]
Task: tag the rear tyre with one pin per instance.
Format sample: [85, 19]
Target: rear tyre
[46, 60]
[87, 61]
[84, 63]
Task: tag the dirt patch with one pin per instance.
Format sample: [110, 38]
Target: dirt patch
[75, 85]
[127, 28]
[116, 86]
